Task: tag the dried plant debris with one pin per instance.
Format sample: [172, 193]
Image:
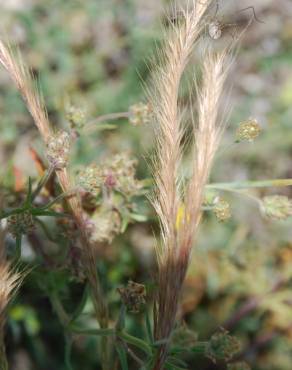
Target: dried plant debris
[133, 296]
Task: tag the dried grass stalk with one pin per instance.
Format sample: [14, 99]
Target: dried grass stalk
[23, 79]
[9, 283]
[178, 206]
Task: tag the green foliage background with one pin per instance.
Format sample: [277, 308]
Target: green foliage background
[93, 54]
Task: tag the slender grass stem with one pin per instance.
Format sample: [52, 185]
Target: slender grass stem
[42, 182]
[250, 184]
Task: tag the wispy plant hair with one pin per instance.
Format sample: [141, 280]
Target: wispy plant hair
[23, 80]
[10, 281]
[178, 204]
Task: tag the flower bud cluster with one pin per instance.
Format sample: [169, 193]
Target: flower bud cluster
[140, 114]
[248, 130]
[222, 210]
[20, 223]
[133, 296]
[277, 207]
[76, 117]
[222, 346]
[105, 224]
[116, 173]
[58, 147]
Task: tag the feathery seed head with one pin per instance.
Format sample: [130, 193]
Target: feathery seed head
[58, 148]
[222, 346]
[133, 296]
[140, 114]
[248, 130]
[9, 282]
[20, 223]
[277, 207]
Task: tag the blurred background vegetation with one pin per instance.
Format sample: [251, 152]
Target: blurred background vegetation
[92, 55]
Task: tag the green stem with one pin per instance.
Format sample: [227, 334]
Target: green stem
[250, 184]
[59, 197]
[18, 241]
[58, 307]
[135, 342]
[110, 117]
[42, 182]
[101, 332]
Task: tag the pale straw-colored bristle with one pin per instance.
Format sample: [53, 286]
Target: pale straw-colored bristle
[9, 282]
[163, 96]
[178, 205]
[207, 134]
[23, 79]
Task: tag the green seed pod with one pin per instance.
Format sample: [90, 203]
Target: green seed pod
[91, 179]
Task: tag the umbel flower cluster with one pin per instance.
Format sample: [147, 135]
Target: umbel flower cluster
[58, 147]
[116, 173]
[111, 186]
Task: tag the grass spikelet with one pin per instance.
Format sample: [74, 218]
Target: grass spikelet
[23, 80]
[179, 207]
[9, 283]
